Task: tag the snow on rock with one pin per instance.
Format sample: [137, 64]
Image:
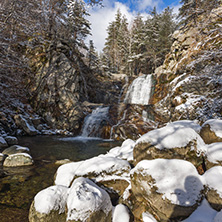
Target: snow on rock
[214, 154]
[51, 198]
[102, 165]
[86, 200]
[172, 187]
[121, 214]
[49, 205]
[124, 152]
[211, 131]
[16, 149]
[147, 217]
[3, 143]
[18, 159]
[11, 140]
[213, 181]
[186, 123]
[174, 141]
[204, 213]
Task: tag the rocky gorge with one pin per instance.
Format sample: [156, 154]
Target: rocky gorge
[169, 166]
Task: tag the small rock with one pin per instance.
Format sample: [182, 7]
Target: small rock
[18, 159]
[3, 143]
[11, 140]
[26, 125]
[16, 149]
[61, 162]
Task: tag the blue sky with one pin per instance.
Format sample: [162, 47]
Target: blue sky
[101, 17]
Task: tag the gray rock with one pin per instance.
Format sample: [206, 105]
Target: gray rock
[26, 125]
[3, 143]
[11, 140]
[18, 159]
[16, 149]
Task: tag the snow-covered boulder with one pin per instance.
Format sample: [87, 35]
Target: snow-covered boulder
[99, 168]
[121, 213]
[49, 205]
[18, 159]
[11, 140]
[214, 155]
[213, 181]
[3, 143]
[186, 123]
[204, 213]
[173, 188]
[124, 152]
[173, 141]
[16, 149]
[26, 125]
[211, 131]
[87, 202]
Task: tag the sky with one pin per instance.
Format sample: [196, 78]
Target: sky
[102, 16]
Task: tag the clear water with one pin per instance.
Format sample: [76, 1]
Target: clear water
[19, 185]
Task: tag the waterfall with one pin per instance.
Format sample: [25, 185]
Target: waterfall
[139, 91]
[93, 121]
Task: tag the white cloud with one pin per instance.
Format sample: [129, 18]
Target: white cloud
[144, 4]
[101, 17]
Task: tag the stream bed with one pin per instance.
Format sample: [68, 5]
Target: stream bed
[19, 185]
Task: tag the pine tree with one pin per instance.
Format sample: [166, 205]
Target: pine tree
[92, 56]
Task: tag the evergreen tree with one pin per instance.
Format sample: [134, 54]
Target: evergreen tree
[92, 56]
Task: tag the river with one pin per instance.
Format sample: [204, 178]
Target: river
[20, 184]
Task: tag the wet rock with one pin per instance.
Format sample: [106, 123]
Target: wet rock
[3, 143]
[88, 202]
[170, 142]
[16, 149]
[25, 125]
[211, 131]
[172, 188]
[49, 205]
[18, 159]
[213, 181]
[11, 140]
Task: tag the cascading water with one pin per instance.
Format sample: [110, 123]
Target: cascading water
[93, 121]
[139, 91]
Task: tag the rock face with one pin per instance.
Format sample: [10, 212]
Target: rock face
[172, 188]
[170, 142]
[188, 84]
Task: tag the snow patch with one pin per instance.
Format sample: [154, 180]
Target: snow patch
[147, 217]
[51, 198]
[214, 152]
[121, 214]
[177, 180]
[186, 123]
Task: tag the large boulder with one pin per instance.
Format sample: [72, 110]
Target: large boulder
[26, 125]
[213, 181]
[87, 202]
[170, 142]
[211, 131]
[214, 155]
[96, 168]
[18, 159]
[49, 205]
[172, 188]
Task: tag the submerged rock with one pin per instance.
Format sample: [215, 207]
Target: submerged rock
[49, 205]
[211, 131]
[172, 188]
[18, 159]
